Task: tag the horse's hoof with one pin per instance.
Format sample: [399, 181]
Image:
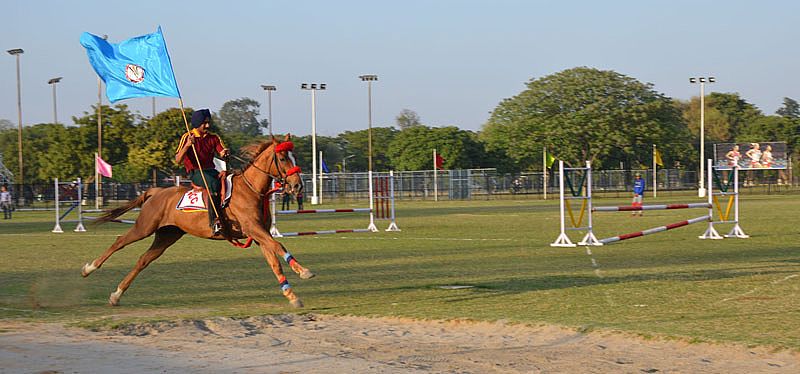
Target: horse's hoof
[306, 274]
[87, 269]
[113, 300]
[297, 303]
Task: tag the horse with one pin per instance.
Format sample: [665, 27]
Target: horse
[270, 160]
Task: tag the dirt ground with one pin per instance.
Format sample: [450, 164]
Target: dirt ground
[328, 344]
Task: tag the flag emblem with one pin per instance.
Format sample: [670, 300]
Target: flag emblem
[134, 73]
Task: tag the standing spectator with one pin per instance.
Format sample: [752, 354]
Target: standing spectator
[286, 201]
[300, 200]
[638, 194]
[5, 202]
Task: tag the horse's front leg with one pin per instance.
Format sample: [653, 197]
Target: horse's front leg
[271, 250]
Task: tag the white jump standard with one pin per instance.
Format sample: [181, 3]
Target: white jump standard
[75, 204]
[589, 239]
[736, 231]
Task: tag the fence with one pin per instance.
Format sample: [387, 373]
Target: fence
[464, 184]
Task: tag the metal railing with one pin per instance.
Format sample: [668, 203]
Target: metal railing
[462, 184]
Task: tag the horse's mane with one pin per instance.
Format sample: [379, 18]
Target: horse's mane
[252, 150]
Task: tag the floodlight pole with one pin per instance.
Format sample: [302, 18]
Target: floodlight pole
[269, 90]
[313, 87]
[701, 191]
[53, 82]
[369, 78]
[21, 181]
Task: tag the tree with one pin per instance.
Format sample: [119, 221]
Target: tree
[156, 143]
[716, 126]
[773, 128]
[357, 143]
[118, 132]
[240, 117]
[412, 148]
[736, 111]
[407, 118]
[790, 109]
[584, 114]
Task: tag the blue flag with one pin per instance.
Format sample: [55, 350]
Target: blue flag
[137, 67]
[325, 167]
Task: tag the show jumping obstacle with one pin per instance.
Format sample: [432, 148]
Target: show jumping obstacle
[74, 205]
[589, 239]
[733, 202]
[381, 202]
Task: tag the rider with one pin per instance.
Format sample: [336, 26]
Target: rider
[206, 144]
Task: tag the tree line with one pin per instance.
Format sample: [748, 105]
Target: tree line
[576, 114]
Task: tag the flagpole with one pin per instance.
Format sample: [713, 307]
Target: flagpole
[319, 199]
[196, 157]
[96, 182]
[435, 183]
[98, 195]
[655, 172]
[544, 170]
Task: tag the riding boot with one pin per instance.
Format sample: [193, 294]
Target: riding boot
[213, 220]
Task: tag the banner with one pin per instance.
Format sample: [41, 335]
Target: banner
[750, 156]
[103, 168]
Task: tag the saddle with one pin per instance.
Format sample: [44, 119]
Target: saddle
[193, 200]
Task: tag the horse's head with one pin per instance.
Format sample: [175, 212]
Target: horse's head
[275, 159]
[285, 163]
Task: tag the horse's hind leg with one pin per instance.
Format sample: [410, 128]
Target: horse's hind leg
[138, 232]
[165, 237]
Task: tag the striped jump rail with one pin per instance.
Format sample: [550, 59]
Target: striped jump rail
[381, 206]
[128, 221]
[311, 211]
[627, 208]
[654, 230]
[323, 232]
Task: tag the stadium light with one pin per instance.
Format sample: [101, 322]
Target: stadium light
[369, 78]
[701, 191]
[313, 87]
[269, 90]
[21, 181]
[55, 110]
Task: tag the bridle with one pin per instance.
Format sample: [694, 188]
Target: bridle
[280, 179]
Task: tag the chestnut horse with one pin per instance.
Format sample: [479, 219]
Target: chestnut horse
[245, 217]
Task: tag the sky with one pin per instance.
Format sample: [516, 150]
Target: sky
[449, 61]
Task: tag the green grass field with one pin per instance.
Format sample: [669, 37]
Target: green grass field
[670, 284]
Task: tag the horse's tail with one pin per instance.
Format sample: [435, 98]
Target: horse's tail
[111, 215]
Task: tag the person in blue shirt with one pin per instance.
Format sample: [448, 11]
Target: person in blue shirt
[638, 194]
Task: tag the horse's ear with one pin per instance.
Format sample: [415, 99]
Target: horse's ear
[288, 137]
[272, 139]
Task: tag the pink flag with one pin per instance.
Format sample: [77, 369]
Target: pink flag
[103, 168]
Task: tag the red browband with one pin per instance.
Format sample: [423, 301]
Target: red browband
[285, 146]
[294, 170]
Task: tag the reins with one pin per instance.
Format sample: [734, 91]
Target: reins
[280, 181]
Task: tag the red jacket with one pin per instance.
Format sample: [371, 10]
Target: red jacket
[206, 145]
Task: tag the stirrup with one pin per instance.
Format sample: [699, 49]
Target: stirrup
[216, 228]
